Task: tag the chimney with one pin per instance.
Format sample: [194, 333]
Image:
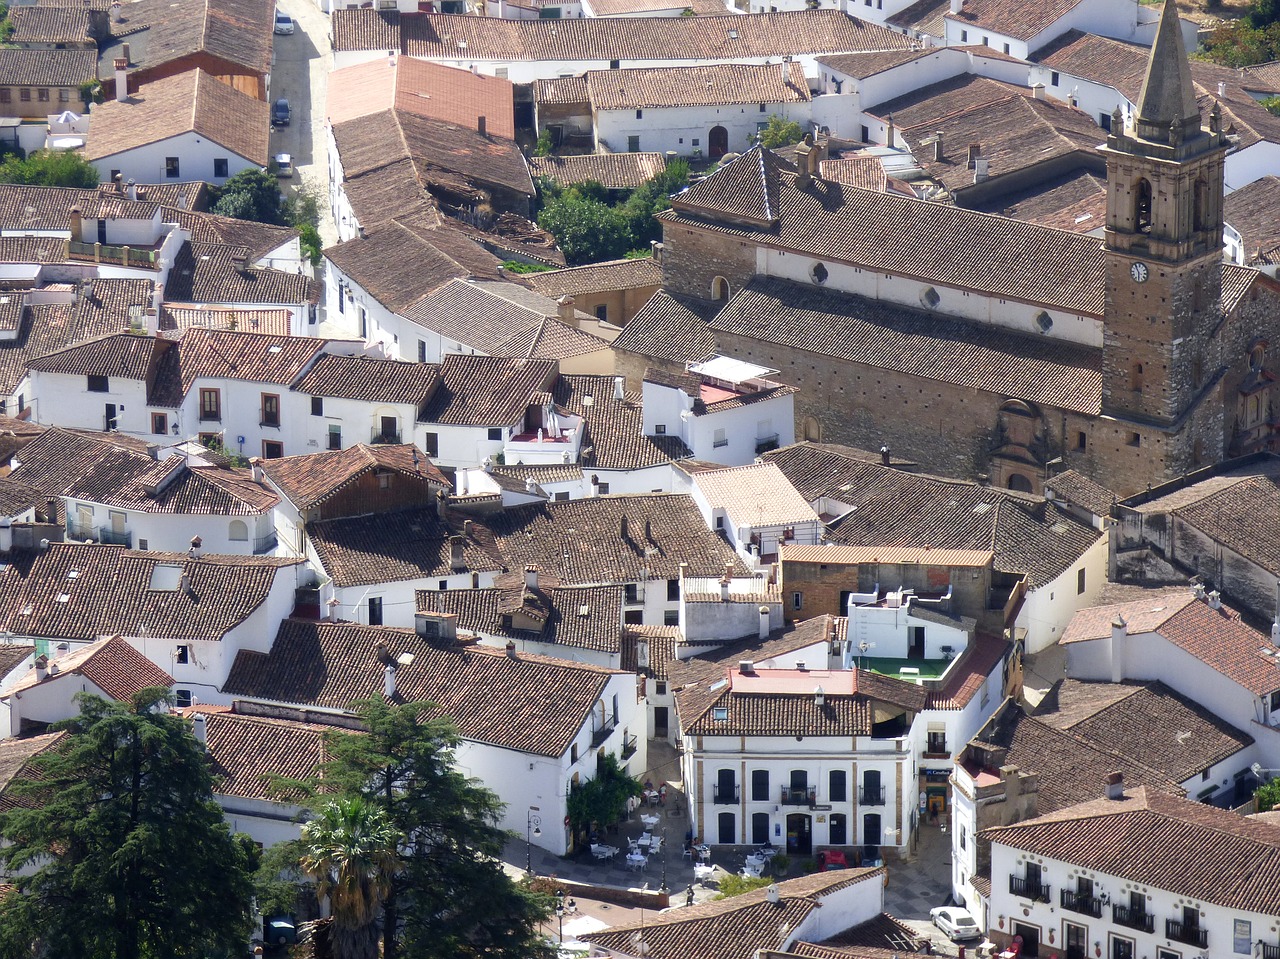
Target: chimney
[819, 696]
[565, 310]
[655, 250]
[975, 151]
[938, 153]
[440, 627]
[1037, 91]
[456, 561]
[42, 667]
[389, 681]
[763, 631]
[77, 224]
[1215, 600]
[956, 6]
[888, 134]
[122, 79]
[466, 527]
[114, 11]
[239, 262]
[1115, 785]
[884, 456]
[157, 297]
[200, 729]
[1222, 88]
[684, 572]
[441, 503]
[125, 54]
[805, 147]
[6, 534]
[1119, 633]
[61, 650]
[511, 649]
[197, 547]
[186, 582]
[531, 577]
[619, 394]
[259, 475]
[482, 125]
[981, 169]
[54, 669]
[595, 485]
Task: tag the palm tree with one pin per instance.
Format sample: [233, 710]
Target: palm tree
[350, 851]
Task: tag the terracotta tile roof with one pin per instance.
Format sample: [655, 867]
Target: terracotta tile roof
[892, 555]
[1146, 614]
[1262, 78]
[709, 665]
[236, 31]
[954, 95]
[53, 460]
[1148, 721]
[187, 102]
[586, 617]
[502, 320]
[16, 498]
[759, 494]
[1240, 517]
[1014, 133]
[111, 593]
[669, 327]
[981, 657]
[128, 355]
[895, 508]
[1077, 489]
[1222, 640]
[868, 64]
[454, 156]
[614, 171]
[880, 937]
[711, 85]
[613, 539]
[428, 90]
[875, 332]
[112, 665]
[48, 327]
[260, 239]
[923, 16]
[486, 390]
[205, 274]
[863, 172]
[1152, 838]
[1091, 57]
[31, 249]
[309, 480]
[398, 265]
[46, 68]
[622, 8]
[1072, 769]
[398, 546]
[43, 24]
[876, 231]
[15, 757]
[246, 751]
[179, 318]
[1251, 210]
[565, 91]
[526, 703]
[1013, 18]
[381, 194]
[231, 355]
[41, 208]
[662, 642]
[730, 37]
[1075, 202]
[598, 277]
[368, 379]
[614, 436]
[734, 928]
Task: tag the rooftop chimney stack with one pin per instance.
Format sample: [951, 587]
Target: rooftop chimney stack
[124, 52]
[6, 534]
[884, 456]
[482, 125]
[133, 188]
[531, 577]
[975, 151]
[200, 729]
[565, 310]
[42, 667]
[763, 630]
[1038, 91]
[511, 649]
[122, 79]
[619, 394]
[389, 681]
[77, 224]
[1215, 600]
[956, 6]
[805, 147]
[456, 561]
[1222, 88]
[938, 153]
[1115, 785]
[197, 547]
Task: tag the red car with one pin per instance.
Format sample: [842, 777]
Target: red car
[831, 859]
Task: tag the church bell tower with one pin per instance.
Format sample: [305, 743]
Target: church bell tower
[1163, 243]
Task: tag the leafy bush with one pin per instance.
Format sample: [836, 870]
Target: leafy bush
[1241, 43]
[49, 168]
[251, 194]
[1268, 795]
[519, 266]
[780, 133]
[735, 885]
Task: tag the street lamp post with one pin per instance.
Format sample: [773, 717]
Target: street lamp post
[560, 912]
[533, 827]
[663, 889]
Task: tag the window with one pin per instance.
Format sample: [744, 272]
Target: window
[43, 96]
[422, 351]
[64, 96]
[207, 439]
[1121, 948]
[1006, 48]
[270, 409]
[797, 600]
[1104, 121]
[937, 742]
[633, 144]
[639, 114]
[431, 444]
[219, 167]
[602, 313]
[375, 610]
[573, 753]
[444, 585]
[964, 36]
[5, 95]
[671, 617]
[1053, 78]
[1142, 207]
[171, 168]
[839, 825]
[759, 785]
[159, 423]
[25, 95]
[495, 433]
[182, 655]
[631, 594]
[1080, 573]
[211, 404]
[1135, 439]
[1136, 377]
[384, 480]
[317, 406]
[719, 438]
[660, 429]
[182, 698]
[1081, 440]
[238, 531]
[673, 590]
[335, 436]
[1275, 700]
[272, 450]
[838, 790]
[963, 838]
[633, 617]
[720, 289]
[602, 488]
[561, 496]
[1242, 936]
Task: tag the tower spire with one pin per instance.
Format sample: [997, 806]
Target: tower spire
[1168, 97]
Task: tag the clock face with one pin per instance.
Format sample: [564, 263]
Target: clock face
[1139, 272]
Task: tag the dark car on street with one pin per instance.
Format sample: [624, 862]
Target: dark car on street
[280, 112]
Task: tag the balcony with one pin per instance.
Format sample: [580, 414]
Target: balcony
[82, 531]
[766, 443]
[114, 537]
[629, 746]
[603, 732]
[1027, 889]
[265, 544]
[1085, 905]
[383, 438]
[725, 797]
[792, 796]
[1182, 932]
[110, 253]
[873, 796]
[1270, 951]
[1133, 918]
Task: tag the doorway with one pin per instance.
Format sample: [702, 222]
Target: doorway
[916, 648]
[1076, 942]
[759, 828]
[727, 831]
[871, 829]
[390, 429]
[660, 721]
[717, 142]
[110, 417]
[1030, 938]
[799, 834]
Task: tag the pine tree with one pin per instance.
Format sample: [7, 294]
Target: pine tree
[130, 854]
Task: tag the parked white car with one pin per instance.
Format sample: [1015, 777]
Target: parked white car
[284, 24]
[958, 924]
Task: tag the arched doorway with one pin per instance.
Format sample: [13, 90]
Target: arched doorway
[717, 142]
[1019, 483]
[727, 829]
[799, 834]
[759, 828]
[871, 829]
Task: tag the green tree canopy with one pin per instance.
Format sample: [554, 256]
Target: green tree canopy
[251, 194]
[450, 896]
[587, 230]
[603, 799]
[780, 133]
[49, 168]
[128, 852]
[1268, 795]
